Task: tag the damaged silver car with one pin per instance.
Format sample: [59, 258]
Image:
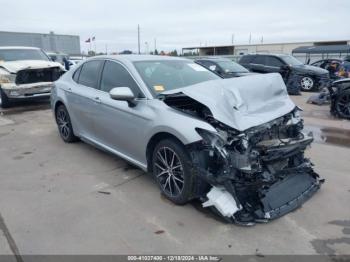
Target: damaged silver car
[237, 144]
[26, 73]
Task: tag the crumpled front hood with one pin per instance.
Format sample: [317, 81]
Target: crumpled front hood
[15, 66]
[243, 102]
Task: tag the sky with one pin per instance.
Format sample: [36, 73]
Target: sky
[180, 23]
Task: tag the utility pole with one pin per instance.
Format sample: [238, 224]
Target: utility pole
[155, 45]
[138, 39]
[250, 38]
[146, 48]
[233, 38]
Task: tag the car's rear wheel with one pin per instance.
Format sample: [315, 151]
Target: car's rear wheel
[5, 102]
[171, 166]
[307, 83]
[64, 125]
[342, 104]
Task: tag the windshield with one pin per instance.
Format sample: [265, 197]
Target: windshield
[232, 67]
[290, 60]
[166, 75]
[22, 54]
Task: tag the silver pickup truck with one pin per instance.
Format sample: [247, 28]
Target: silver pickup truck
[25, 73]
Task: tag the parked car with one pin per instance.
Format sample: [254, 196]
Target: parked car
[223, 67]
[295, 74]
[340, 98]
[74, 61]
[337, 68]
[236, 144]
[25, 73]
[57, 57]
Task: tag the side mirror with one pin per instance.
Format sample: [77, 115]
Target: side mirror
[123, 94]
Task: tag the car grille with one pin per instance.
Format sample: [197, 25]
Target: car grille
[31, 76]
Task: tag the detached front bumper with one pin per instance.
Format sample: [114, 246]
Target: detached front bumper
[263, 184]
[249, 205]
[288, 194]
[13, 91]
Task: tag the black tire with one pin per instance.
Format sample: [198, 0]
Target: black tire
[307, 84]
[64, 125]
[342, 104]
[5, 102]
[175, 190]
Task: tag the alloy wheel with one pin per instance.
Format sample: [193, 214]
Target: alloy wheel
[307, 83]
[63, 123]
[343, 104]
[169, 171]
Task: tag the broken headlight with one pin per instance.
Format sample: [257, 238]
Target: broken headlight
[6, 77]
[215, 140]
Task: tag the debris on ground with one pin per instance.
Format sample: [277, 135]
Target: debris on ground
[320, 99]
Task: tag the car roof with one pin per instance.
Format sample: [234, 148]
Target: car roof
[136, 58]
[213, 59]
[18, 47]
[56, 54]
[267, 54]
[329, 59]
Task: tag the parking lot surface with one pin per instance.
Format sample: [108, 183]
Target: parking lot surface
[58, 198]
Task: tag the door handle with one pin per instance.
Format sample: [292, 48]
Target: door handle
[69, 89]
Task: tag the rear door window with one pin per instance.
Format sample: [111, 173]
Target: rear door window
[273, 61]
[259, 60]
[246, 59]
[90, 72]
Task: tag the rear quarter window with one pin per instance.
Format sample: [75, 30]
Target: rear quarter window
[274, 61]
[76, 74]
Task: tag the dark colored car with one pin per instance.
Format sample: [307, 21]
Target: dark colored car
[337, 68]
[295, 74]
[340, 98]
[223, 67]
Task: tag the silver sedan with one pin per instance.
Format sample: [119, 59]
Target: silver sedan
[235, 144]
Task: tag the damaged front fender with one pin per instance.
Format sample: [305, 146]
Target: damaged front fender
[256, 175]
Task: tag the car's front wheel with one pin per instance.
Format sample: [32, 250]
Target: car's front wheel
[64, 125]
[5, 102]
[342, 104]
[307, 83]
[171, 166]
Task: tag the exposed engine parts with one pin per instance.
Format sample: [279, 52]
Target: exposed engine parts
[253, 175]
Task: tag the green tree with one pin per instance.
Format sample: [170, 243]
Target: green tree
[173, 53]
[91, 53]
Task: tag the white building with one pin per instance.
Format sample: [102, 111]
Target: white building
[68, 44]
[279, 48]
